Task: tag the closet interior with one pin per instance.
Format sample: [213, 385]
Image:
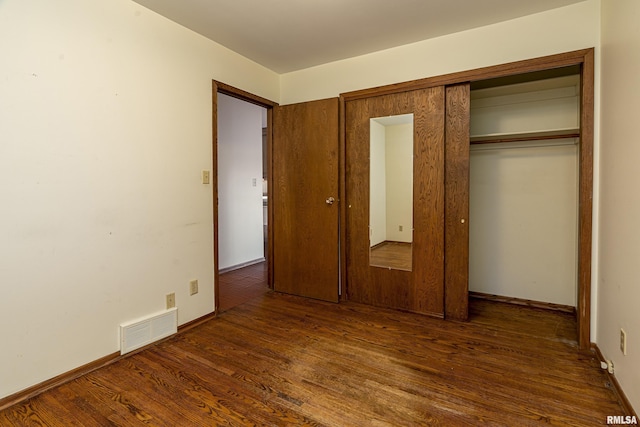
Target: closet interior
[524, 187]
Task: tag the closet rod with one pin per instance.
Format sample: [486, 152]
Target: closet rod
[522, 138]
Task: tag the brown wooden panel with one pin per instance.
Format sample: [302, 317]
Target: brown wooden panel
[457, 202]
[585, 202]
[420, 290]
[428, 197]
[357, 202]
[305, 174]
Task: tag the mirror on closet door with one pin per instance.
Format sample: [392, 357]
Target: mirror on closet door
[391, 192]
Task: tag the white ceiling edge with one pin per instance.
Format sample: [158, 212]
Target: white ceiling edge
[290, 35]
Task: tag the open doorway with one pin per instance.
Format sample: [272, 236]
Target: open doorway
[242, 195]
[241, 171]
[242, 201]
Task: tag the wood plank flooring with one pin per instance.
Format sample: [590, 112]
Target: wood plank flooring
[241, 285]
[391, 254]
[281, 360]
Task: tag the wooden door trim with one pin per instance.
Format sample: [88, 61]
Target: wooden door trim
[585, 200]
[519, 67]
[583, 58]
[244, 95]
[219, 87]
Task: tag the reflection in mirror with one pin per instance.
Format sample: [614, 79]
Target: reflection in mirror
[391, 192]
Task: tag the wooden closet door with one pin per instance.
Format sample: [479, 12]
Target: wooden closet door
[305, 180]
[422, 289]
[458, 104]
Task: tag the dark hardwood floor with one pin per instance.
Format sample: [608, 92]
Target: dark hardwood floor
[241, 285]
[280, 360]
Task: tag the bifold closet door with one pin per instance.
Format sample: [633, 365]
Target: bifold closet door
[305, 205]
[422, 288]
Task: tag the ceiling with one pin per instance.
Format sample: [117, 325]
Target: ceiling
[289, 35]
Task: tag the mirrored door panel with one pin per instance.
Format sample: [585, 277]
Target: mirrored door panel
[391, 191]
[395, 200]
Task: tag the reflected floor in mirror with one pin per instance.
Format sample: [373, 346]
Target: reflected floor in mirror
[395, 255]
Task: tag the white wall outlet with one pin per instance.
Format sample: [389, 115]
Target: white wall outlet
[399, 228]
[193, 287]
[623, 341]
[206, 177]
[171, 300]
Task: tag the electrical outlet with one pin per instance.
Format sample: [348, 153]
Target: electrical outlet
[623, 341]
[193, 287]
[171, 300]
[399, 228]
[205, 177]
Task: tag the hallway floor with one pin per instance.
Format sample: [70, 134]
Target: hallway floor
[242, 285]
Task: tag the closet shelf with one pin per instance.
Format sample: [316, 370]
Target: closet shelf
[525, 136]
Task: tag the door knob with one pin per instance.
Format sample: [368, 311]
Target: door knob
[330, 201]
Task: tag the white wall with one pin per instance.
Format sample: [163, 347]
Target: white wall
[523, 195]
[105, 123]
[539, 106]
[240, 220]
[559, 30]
[619, 290]
[399, 163]
[523, 222]
[377, 184]
[391, 182]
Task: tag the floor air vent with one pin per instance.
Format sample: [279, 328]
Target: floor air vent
[139, 333]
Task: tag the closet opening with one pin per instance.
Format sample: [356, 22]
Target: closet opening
[524, 188]
[510, 118]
